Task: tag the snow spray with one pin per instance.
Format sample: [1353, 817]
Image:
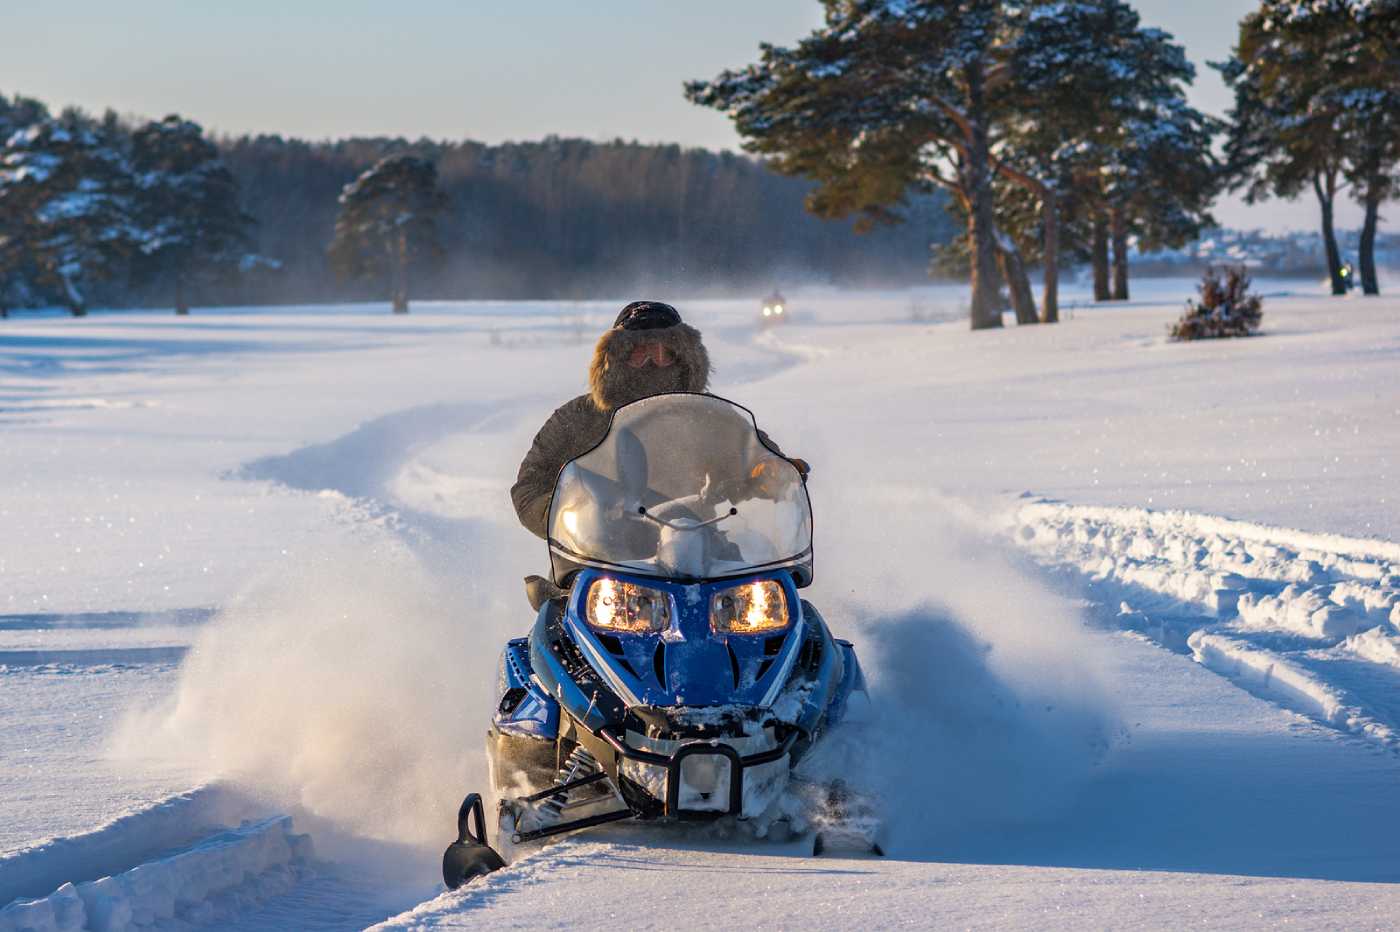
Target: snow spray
[987, 709]
[354, 687]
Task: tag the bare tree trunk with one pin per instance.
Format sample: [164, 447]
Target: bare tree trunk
[77, 306]
[182, 306]
[1326, 194]
[1018, 284]
[981, 222]
[1050, 300]
[1118, 229]
[1098, 254]
[401, 275]
[1369, 284]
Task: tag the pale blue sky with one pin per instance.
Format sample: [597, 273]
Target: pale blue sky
[486, 70]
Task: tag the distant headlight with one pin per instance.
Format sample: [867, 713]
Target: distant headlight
[767, 311]
[753, 608]
[613, 605]
[778, 309]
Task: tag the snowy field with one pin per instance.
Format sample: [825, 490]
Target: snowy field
[1130, 611]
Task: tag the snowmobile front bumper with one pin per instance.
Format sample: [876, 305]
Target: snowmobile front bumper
[705, 746]
[672, 764]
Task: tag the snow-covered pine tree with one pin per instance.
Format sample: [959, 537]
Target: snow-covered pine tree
[16, 272]
[388, 218]
[1226, 308]
[1085, 76]
[1362, 61]
[17, 113]
[981, 99]
[66, 191]
[1106, 98]
[187, 205]
[1283, 136]
[1317, 103]
[888, 96]
[1160, 182]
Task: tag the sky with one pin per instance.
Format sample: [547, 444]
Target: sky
[469, 69]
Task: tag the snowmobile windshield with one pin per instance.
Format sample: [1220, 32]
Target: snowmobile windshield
[682, 487]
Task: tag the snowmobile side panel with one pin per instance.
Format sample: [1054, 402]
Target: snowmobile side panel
[823, 664]
[561, 671]
[852, 681]
[522, 708]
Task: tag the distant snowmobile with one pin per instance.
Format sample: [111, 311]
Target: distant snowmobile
[774, 309]
[673, 671]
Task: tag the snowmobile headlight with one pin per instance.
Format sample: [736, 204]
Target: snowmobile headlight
[614, 605]
[753, 608]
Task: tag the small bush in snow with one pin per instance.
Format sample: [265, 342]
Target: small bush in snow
[1226, 307]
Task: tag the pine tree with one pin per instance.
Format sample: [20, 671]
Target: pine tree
[1160, 182]
[1227, 307]
[17, 113]
[1281, 138]
[388, 217]
[888, 97]
[187, 204]
[66, 191]
[1100, 108]
[1077, 84]
[1015, 109]
[1366, 70]
[1317, 103]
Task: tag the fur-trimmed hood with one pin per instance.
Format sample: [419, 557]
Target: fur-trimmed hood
[613, 383]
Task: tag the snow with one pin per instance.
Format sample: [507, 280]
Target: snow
[1307, 619]
[1128, 611]
[190, 885]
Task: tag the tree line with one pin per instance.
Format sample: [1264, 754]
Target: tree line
[85, 202]
[567, 218]
[1061, 128]
[161, 213]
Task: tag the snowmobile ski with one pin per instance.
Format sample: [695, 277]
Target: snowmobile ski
[846, 822]
[469, 857]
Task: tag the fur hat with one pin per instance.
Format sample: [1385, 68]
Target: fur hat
[613, 383]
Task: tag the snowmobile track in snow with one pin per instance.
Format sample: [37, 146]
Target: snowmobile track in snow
[1309, 621]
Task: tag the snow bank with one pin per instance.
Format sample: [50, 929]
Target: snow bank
[210, 881]
[1307, 620]
[171, 823]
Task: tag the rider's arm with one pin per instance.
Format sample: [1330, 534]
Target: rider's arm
[770, 443]
[569, 431]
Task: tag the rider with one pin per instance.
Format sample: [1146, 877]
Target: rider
[649, 351]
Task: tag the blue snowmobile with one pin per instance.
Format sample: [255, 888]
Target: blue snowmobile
[673, 671]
